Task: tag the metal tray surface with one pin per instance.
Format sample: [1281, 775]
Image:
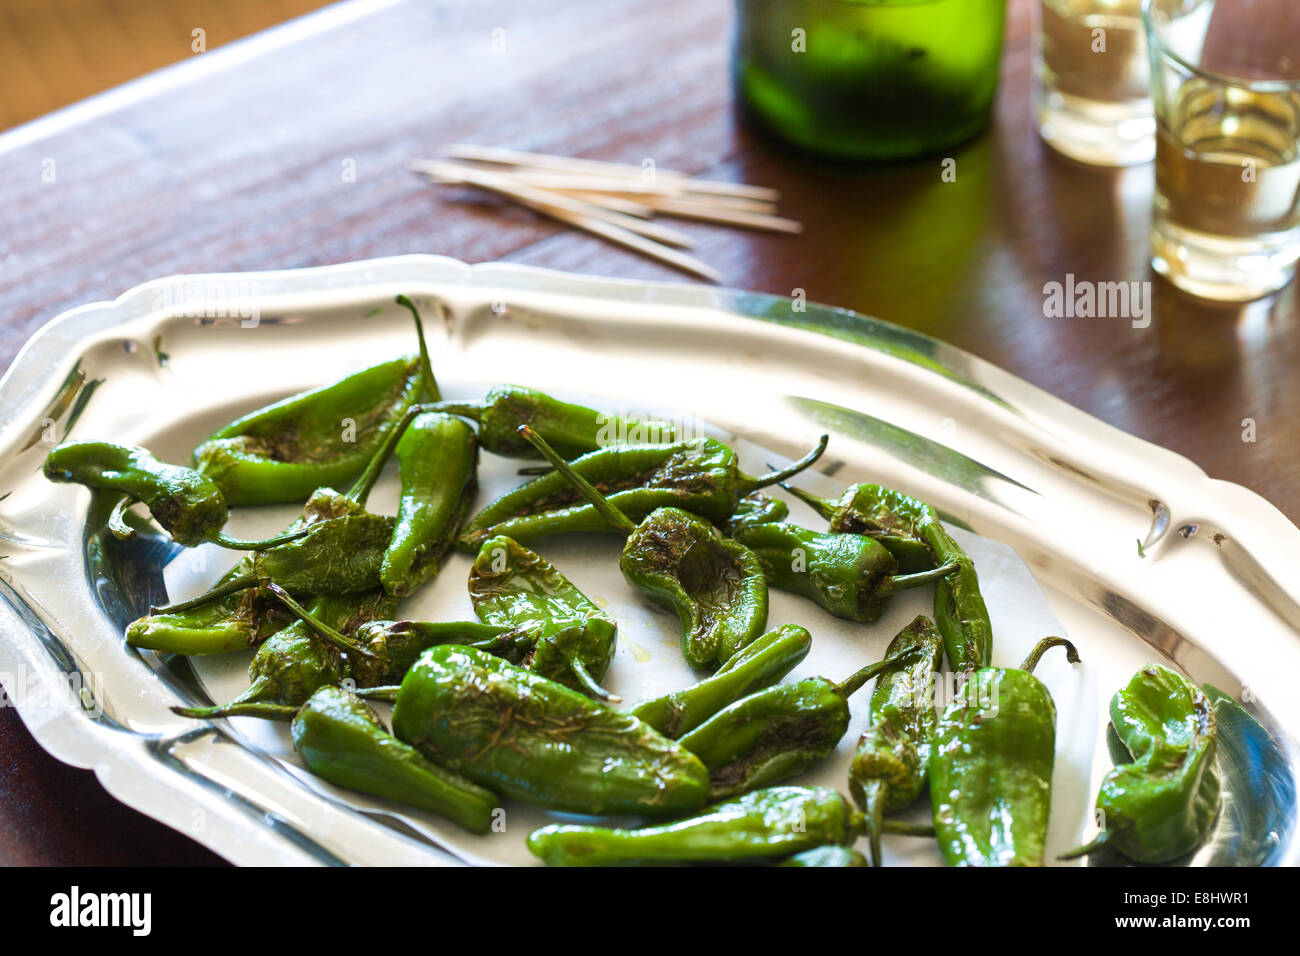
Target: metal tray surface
[1141, 555]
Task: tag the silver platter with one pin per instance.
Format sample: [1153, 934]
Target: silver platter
[1141, 555]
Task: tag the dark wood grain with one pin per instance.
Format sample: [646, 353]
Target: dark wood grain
[241, 169]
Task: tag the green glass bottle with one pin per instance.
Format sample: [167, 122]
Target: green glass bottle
[869, 79]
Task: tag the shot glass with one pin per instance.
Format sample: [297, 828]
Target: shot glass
[1226, 87]
[1093, 99]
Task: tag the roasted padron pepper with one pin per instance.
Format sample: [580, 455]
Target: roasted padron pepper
[897, 520]
[991, 766]
[757, 508]
[319, 438]
[342, 740]
[889, 768]
[294, 663]
[701, 476]
[187, 504]
[827, 856]
[1162, 804]
[572, 430]
[573, 639]
[525, 736]
[849, 575]
[393, 646]
[780, 731]
[438, 458]
[764, 825]
[681, 561]
[753, 667]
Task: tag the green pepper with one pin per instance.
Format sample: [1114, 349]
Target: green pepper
[756, 508]
[524, 736]
[573, 639]
[188, 505]
[317, 438]
[880, 513]
[991, 766]
[294, 663]
[889, 768]
[897, 519]
[438, 458]
[849, 575]
[715, 584]
[572, 430]
[342, 740]
[237, 617]
[1162, 804]
[753, 667]
[764, 825]
[701, 476]
[778, 732]
[827, 856]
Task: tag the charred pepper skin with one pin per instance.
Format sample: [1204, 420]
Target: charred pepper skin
[1162, 804]
[753, 667]
[342, 740]
[714, 583]
[572, 430]
[438, 459]
[393, 646]
[959, 609]
[188, 505]
[524, 736]
[779, 732]
[991, 770]
[880, 513]
[756, 508]
[761, 826]
[848, 575]
[888, 771]
[286, 450]
[701, 476]
[573, 640]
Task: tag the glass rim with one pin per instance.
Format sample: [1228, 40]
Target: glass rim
[1226, 79]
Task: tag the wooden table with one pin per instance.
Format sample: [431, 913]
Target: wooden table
[235, 161]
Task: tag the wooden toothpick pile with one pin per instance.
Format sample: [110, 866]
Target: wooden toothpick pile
[615, 201]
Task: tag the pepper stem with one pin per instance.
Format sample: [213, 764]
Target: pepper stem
[1031, 661]
[313, 622]
[263, 709]
[242, 583]
[598, 501]
[748, 483]
[908, 829]
[471, 410]
[431, 393]
[904, 582]
[383, 692]
[589, 683]
[823, 506]
[901, 659]
[238, 544]
[117, 519]
[375, 466]
[1099, 841]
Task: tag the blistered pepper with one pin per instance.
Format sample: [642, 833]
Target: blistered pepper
[849, 575]
[764, 825]
[897, 520]
[572, 430]
[757, 508]
[187, 504]
[778, 732]
[753, 667]
[1162, 804]
[701, 476]
[393, 646]
[573, 640]
[681, 561]
[524, 736]
[991, 766]
[888, 771]
[438, 458]
[319, 438]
